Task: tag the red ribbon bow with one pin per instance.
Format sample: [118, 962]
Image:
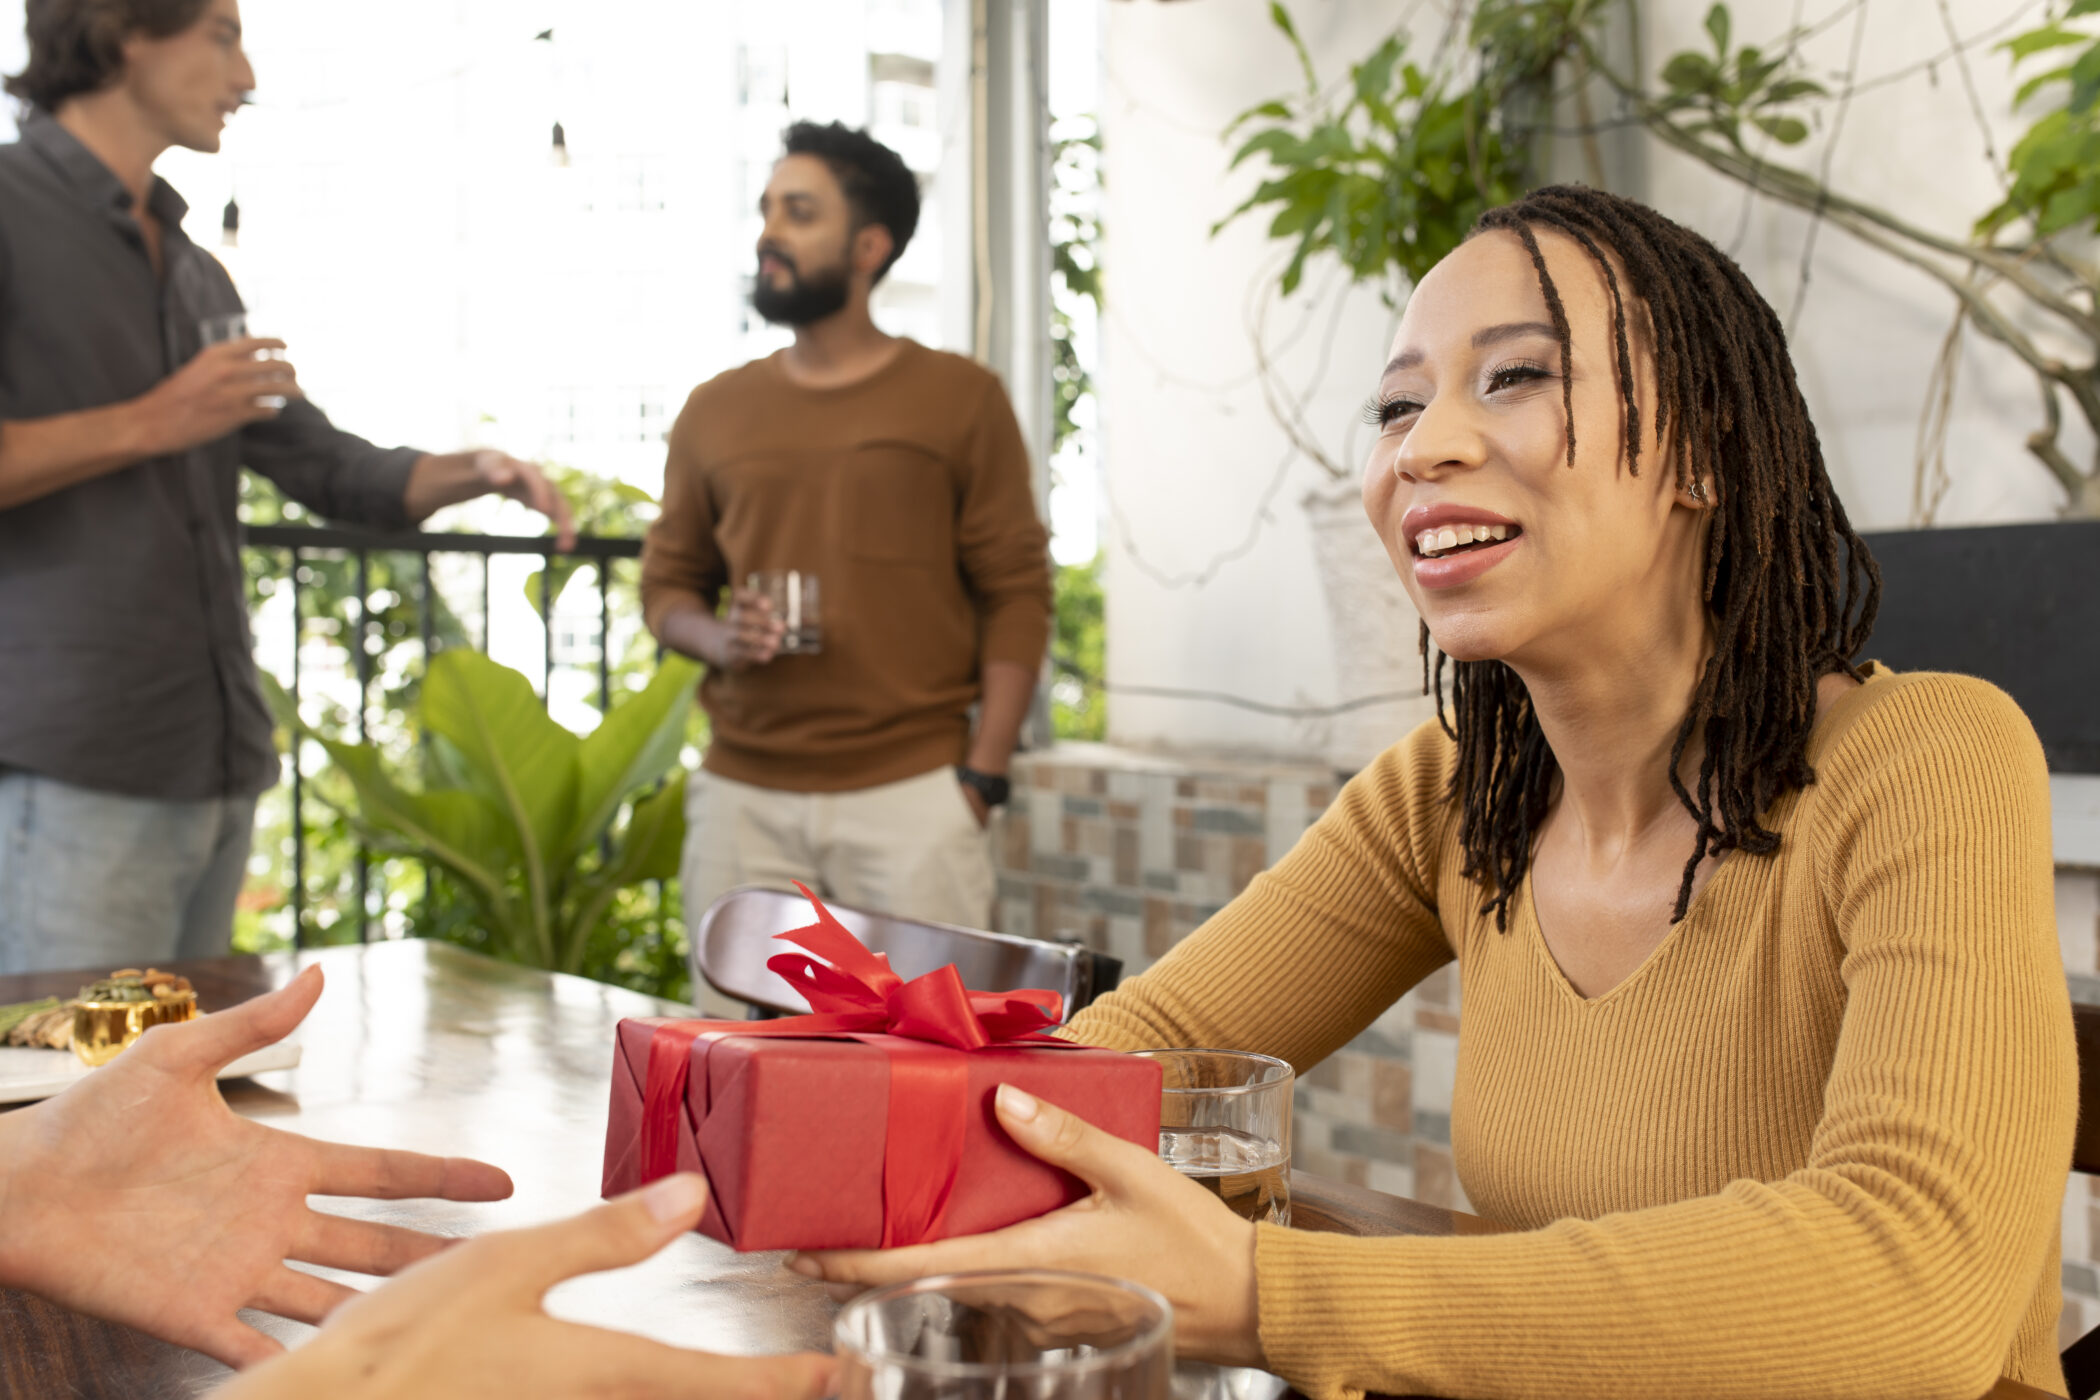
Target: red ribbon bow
[924, 1027]
[859, 985]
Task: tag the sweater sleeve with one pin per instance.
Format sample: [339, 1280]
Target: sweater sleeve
[1003, 547]
[1898, 1259]
[681, 562]
[1319, 945]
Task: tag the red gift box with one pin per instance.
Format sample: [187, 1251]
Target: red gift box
[869, 1122]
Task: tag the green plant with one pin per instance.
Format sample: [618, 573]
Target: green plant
[1079, 654]
[523, 817]
[1387, 174]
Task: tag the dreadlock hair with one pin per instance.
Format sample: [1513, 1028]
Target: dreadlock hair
[1790, 587]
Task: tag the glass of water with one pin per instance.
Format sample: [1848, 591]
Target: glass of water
[1225, 1120]
[798, 603]
[233, 325]
[1028, 1334]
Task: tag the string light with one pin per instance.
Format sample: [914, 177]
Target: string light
[230, 224]
[561, 146]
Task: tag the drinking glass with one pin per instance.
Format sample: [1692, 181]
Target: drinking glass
[233, 325]
[797, 602]
[1225, 1120]
[1026, 1334]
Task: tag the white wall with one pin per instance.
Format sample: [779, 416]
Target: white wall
[1190, 452]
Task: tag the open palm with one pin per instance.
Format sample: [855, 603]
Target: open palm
[143, 1160]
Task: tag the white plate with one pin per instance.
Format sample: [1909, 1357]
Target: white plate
[27, 1073]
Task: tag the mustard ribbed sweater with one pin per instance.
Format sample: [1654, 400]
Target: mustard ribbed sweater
[1814, 1146]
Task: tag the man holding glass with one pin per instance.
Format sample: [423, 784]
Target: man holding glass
[133, 735]
[894, 476]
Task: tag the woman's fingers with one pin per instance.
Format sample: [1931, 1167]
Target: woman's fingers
[300, 1296]
[1102, 1160]
[873, 1267]
[361, 1246]
[342, 1170]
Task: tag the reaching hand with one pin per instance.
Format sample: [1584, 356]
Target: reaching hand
[221, 390]
[1144, 1221]
[470, 1324]
[520, 480]
[143, 1160]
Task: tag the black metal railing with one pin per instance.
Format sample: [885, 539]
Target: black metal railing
[300, 542]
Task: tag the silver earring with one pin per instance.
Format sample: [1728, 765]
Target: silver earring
[1699, 489]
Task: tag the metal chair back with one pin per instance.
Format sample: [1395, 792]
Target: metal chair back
[735, 939]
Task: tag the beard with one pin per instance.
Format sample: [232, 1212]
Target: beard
[804, 300]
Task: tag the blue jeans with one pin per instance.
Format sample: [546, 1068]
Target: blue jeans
[98, 881]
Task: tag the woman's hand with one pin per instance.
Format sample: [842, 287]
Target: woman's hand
[470, 1324]
[1145, 1222]
[144, 1159]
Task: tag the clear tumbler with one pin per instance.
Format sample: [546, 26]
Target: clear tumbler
[1032, 1334]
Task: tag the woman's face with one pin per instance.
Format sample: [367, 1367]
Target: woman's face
[1565, 565]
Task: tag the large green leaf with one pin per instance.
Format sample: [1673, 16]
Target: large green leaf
[648, 849]
[513, 753]
[462, 831]
[632, 747]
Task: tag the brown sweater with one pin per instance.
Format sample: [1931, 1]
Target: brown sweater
[1815, 1145]
[908, 496]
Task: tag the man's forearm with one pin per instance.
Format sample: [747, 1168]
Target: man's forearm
[1009, 690]
[691, 630]
[441, 479]
[41, 455]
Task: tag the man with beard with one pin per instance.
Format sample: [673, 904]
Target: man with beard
[895, 474]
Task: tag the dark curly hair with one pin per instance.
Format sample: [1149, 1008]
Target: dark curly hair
[77, 46]
[1790, 587]
[879, 186]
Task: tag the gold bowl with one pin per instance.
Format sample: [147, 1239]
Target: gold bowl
[103, 1028]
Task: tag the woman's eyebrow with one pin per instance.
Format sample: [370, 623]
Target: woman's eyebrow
[1485, 336]
[1511, 330]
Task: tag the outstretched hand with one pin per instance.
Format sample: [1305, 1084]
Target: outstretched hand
[144, 1160]
[520, 480]
[1144, 1221]
[471, 1324]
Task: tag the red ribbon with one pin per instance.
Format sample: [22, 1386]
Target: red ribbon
[923, 1027]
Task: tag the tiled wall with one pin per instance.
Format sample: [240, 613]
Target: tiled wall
[1129, 852]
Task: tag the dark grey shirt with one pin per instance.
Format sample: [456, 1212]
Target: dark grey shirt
[124, 645]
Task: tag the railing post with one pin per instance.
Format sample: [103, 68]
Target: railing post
[298, 785]
[364, 706]
[604, 635]
[547, 628]
[426, 623]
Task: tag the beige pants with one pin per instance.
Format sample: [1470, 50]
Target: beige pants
[911, 848]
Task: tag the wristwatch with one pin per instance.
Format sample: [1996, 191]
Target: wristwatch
[992, 787]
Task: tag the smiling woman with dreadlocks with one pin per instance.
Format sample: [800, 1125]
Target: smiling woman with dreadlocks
[1766, 1051]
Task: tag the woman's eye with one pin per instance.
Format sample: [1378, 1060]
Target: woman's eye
[1509, 376]
[1383, 413]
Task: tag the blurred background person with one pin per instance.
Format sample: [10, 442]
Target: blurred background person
[896, 476]
[133, 735]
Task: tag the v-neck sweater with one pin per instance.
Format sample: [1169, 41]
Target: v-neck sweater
[1815, 1144]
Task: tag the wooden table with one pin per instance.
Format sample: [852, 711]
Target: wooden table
[423, 1046]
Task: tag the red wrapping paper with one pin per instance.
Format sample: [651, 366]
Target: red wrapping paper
[868, 1123]
[791, 1133]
